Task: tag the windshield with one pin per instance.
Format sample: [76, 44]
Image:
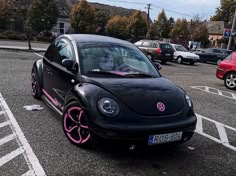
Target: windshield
[101, 58]
[180, 48]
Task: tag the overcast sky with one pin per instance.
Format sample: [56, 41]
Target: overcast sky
[175, 8]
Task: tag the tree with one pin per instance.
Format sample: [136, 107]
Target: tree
[42, 15]
[137, 26]
[163, 25]
[82, 18]
[180, 29]
[6, 12]
[225, 12]
[117, 27]
[198, 30]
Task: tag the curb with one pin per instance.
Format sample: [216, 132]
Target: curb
[23, 49]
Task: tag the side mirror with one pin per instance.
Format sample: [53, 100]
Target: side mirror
[158, 65]
[68, 63]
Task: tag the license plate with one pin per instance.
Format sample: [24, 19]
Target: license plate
[164, 138]
[167, 54]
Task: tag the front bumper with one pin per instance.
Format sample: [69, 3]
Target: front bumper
[191, 60]
[220, 73]
[142, 132]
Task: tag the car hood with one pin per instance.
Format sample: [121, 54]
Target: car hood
[186, 54]
[143, 95]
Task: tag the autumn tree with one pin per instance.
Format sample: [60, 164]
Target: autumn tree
[101, 18]
[198, 30]
[117, 27]
[82, 18]
[137, 26]
[180, 29]
[225, 12]
[42, 15]
[6, 12]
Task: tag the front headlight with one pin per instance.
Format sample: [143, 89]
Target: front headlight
[108, 107]
[189, 101]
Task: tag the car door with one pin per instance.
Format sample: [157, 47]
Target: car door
[58, 79]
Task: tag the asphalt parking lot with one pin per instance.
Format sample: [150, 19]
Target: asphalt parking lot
[33, 142]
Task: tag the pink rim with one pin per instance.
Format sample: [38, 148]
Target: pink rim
[33, 84]
[75, 130]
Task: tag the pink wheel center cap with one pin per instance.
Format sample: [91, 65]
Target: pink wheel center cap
[161, 107]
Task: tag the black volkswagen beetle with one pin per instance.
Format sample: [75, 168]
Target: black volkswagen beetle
[105, 87]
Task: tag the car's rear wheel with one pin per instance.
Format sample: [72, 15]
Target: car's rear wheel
[191, 62]
[35, 85]
[180, 60]
[230, 80]
[75, 125]
[163, 61]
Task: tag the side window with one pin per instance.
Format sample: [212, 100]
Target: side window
[154, 45]
[138, 43]
[64, 51]
[217, 51]
[51, 52]
[146, 44]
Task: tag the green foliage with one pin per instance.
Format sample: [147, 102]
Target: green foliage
[138, 26]
[117, 27]
[82, 18]
[12, 35]
[42, 15]
[225, 12]
[180, 29]
[6, 12]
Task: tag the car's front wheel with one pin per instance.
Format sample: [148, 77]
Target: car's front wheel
[230, 80]
[180, 60]
[35, 85]
[75, 125]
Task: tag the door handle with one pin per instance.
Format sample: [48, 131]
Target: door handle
[49, 71]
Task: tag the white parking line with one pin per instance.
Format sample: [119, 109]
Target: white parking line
[1, 112]
[10, 156]
[219, 92]
[25, 149]
[4, 124]
[7, 139]
[38, 54]
[221, 130]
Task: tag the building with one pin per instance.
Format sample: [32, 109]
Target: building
[215, 30]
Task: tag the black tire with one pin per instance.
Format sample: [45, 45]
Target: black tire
[179, 60]
[230, 80]
[191, 62]
[36, 89]
[163, 62]
[73, 127]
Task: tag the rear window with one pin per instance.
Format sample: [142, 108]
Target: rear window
[166, 46]
[146, 44]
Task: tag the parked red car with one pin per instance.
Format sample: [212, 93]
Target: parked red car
[227, 71]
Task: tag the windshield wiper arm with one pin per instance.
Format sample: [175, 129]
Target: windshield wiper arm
[140, 75]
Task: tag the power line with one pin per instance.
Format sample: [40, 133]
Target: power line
[158, 7]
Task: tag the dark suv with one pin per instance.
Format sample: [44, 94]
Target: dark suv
[156, 50]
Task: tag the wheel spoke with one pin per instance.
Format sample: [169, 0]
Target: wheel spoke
[71, 129]
[83, 126]
[80, 114]
[75, 140]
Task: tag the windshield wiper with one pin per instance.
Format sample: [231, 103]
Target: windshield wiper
[103, 73]
[139, 75]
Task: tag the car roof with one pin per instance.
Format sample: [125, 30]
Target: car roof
[161, 42]
[94, 38]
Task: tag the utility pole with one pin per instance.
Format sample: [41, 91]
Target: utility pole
[148, 14]
[232, 29]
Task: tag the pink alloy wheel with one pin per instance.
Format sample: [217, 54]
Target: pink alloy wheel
[33, 84]
[75, 125]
